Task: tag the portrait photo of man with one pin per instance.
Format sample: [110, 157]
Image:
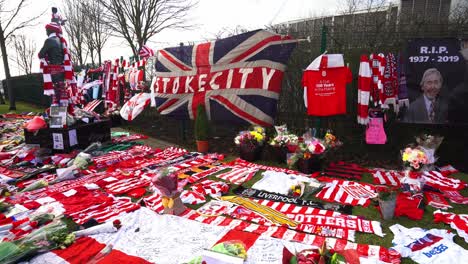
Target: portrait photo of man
[430, 107]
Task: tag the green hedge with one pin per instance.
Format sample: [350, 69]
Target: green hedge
[29, 88]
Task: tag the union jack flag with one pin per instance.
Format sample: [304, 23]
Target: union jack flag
[238, 79]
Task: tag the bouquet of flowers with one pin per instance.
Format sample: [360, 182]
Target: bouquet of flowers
[331, 141]
[52, 236]
[307, 150]
[429, 144]
[414, 158]
[251, 139]
[284, 140]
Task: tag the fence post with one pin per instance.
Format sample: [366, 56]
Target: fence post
[323, 48]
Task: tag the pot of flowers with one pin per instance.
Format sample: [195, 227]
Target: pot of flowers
[250, 143]
[387, 201]
[201, 130]
[280, 145]
[308, 156]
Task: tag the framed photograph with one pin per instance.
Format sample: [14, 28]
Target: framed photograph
[58, 116]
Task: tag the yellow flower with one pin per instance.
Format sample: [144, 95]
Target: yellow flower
[258, 137]
[405, 156]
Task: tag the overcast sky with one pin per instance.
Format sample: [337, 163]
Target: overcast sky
[211, 16]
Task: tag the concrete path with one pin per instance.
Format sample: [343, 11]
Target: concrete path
[152, 142]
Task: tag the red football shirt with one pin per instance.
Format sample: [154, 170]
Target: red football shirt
[326, 90]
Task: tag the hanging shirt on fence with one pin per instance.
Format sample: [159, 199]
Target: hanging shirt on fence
[326, 90]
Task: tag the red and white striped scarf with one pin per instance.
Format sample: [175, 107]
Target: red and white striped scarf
[281, 232]
[436, 200]
[364, 89]
[458, 222]
[311, 218]
[237, 175]
[154, 203]
[389, 177]
[92, 105]
[132, 137]
[347, 192]
[241, 213]
[102, 213]
[438, 180]
[192, 197]
[377, 64]
[67, 66]
[455, 197]
[210, 187]
[243, 163]
[447, 170]
[146, 52]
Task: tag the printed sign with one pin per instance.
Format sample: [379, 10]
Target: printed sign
[437, 82]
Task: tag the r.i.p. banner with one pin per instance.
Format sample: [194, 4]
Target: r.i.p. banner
[238, 78]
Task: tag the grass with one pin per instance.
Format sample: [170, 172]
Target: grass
[21, 107]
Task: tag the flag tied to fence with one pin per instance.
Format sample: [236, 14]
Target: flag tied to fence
[237, 79]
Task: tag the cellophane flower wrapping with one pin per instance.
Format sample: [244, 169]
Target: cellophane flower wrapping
[429, 144]
[166, 182]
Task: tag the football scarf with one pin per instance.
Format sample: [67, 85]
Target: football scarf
[258, 194]
[389, 92]
[192, 197]
[447, 170]
[436, 180]
[154, 203]
[237, 175]
[458, 222]
[267, 212]
[210, 187]
[347, 192]
[125, 185]
[328, 218]
[455, 197]
[128, 138]
[242, 163]
[364, 89]
[385, 177]
[241, 213]
[368, 251]
[436, 200]
[101, 213]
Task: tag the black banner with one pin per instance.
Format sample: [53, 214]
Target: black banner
[257, 194]
[437, 78]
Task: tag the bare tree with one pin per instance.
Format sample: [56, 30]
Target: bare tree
[96, 31]
[9, 24]
[75, 27]
[139, 20]
[228, 32]
[25, 53]
[459, 14]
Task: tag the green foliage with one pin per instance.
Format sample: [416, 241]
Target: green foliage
[201, 124]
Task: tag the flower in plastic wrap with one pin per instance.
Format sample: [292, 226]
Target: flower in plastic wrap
[414, 158]
[232, 248]
[429, 144]
[166, 182]
[82, 160]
